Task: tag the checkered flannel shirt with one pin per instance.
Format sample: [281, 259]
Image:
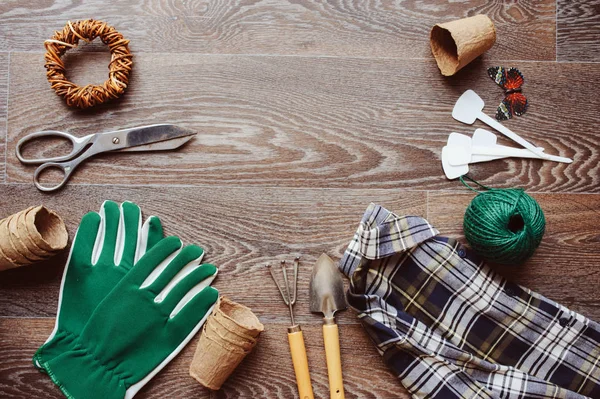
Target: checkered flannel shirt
[451, 327]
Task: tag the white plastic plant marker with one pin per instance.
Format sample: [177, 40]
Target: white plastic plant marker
[461, 156]
[469, 108]
[464, 150]
[482, 138]
[485, 138]
[457, 155]
[452, 172]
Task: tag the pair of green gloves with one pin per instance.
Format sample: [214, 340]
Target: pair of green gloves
[129, 302]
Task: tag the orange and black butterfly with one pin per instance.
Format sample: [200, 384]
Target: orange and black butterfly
[511, 80]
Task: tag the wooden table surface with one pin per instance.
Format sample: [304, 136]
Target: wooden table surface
[306, 111]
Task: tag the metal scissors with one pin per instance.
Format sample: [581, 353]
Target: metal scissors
[143, 138]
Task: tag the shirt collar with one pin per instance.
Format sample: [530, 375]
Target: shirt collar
[382, 233]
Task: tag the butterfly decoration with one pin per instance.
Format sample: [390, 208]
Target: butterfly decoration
[511, 80]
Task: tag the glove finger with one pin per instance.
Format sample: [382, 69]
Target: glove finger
[127, 236]
[150, 234]
[171, 273]
[161, 253]
[201, 277]
[85, 238]
[193, 310]
[104, 250]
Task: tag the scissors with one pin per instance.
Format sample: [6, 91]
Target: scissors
[143, 138]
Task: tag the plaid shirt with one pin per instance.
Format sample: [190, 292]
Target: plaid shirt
[451, 327]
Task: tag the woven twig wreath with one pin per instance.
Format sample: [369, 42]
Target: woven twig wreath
[119, 67]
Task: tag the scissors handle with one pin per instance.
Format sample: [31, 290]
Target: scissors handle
[79, 144]
[65, 167]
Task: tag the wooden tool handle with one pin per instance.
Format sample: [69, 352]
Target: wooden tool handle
[300, 361]
[334, 361]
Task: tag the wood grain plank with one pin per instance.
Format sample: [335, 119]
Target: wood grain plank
[241, 229]
[2, 150]
[266, 372]
[341, 27]
[313, 122]
[4, 60]
[566, 266]
[578, 30]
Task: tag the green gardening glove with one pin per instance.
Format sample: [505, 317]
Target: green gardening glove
[141, 325]
[106, 246]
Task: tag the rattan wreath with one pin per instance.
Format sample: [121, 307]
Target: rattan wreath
[119, 67]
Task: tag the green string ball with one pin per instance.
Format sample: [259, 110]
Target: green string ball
[504, 225]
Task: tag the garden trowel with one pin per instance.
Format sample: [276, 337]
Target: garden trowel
[327, 297]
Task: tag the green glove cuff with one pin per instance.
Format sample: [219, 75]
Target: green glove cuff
[60, 342]
[79, 374]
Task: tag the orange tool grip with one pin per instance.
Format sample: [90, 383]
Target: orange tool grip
[334, 362]
[300, 360]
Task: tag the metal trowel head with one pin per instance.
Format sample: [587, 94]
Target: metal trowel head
[326, 288]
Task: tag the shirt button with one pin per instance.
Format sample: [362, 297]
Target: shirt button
[462, 252]
[563, 321]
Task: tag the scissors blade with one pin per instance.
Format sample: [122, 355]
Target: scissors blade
[157, 138]
[170, 144]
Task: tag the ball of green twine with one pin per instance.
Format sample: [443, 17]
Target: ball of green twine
[504, 225]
